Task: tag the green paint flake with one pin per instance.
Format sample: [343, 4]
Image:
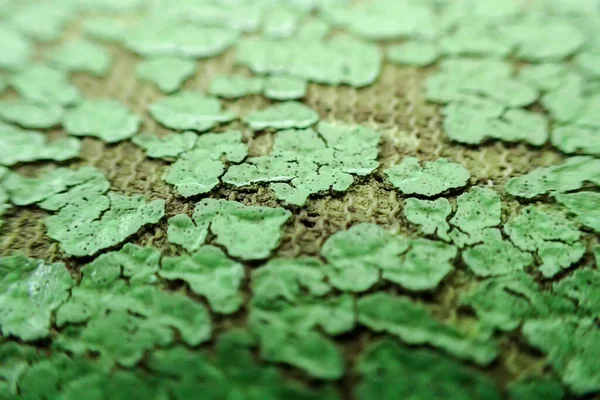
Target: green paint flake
[474, 40]
[184, 232]
[430, 215]
[41, 22]
[247, 232]
[331, 62]
[536, 388]
[31, 115]
[108, 120]
[573, 103]
[167, 147]
[312, 29]
[198, 171]
[582, 286]
[357, 256]
[568, 176]
[506, 302]
[285, 88]
[209, 273]
[412, 323]
[168, 73]
[138, 264]
[304, 162]
[17, 146]
[189, 110]
[43, 85]
[465, 122]
[575, 139]
[572, 349]
[431, 179]
[87, 225]
[487, 78]
[283, 116]
[51, 188]
[585, 206]
[587, 64]
[554, 238]
[14, 360]
[392, 371]
[155, 37]
[105, 29]
[30, 290]
[545, 76]
[81, 56]
[15, 48]
[231, 373]
[279, 22]
[413, 53]
[478, 210]
[235, 86]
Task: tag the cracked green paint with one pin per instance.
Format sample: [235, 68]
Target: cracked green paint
[582, 287]
[20, 146]
[554, 238]
[431, 179]
[536, 388]
[44, 85]
[184, 232]
[430, 215]
[167, 147]
[575, 139]
[474, 40]
[505, 302]
[307, 162]
[392, 371]
[31, 115]
[43, 22]
[211, 274]
[31, 290]
[279, 23]
[545, 76]
[412, 323]
[107, 120]
[413, 53]
[105, 29]
[198, 171]
[478, 211]
[15, 359]
[328, 62]
[285, 88]
[285, 115]
[168, 73]
[585, 206]
[163, 37]
[235, 86]
[136, 263]
[188, 110]
[81, 56]
[566, 177]
[247, 232]
[83, 227]
[358, 255]
[570, 104]
[586, 63]
[16, 49]
[572, 349]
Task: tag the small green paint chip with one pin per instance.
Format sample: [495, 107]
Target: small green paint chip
[235, 86]
[108, 120]
[85, 226]
[20, 146]
[544, 76]
[30, 291]
[184, 232]
[197, 171]
[577, 139]
[81, 56]
[247, 232]
[44, 85]
[105, 29]
[136, 263]
[285, 88]
[31, 115]
[413, 53]
[536, 388]
[168, 73]
[16, 49]
[478, 211]
[167, 147]
[209, 273]
[430, 215]
[188, 110]
[43, 22]
[412, 323]
[285, 115]
[474, 40]
[392, 371]
[431, 179]
[164, 37]
[505, 302]
[568, 176]
[584, 205]
[582, 287]
[571, 345]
